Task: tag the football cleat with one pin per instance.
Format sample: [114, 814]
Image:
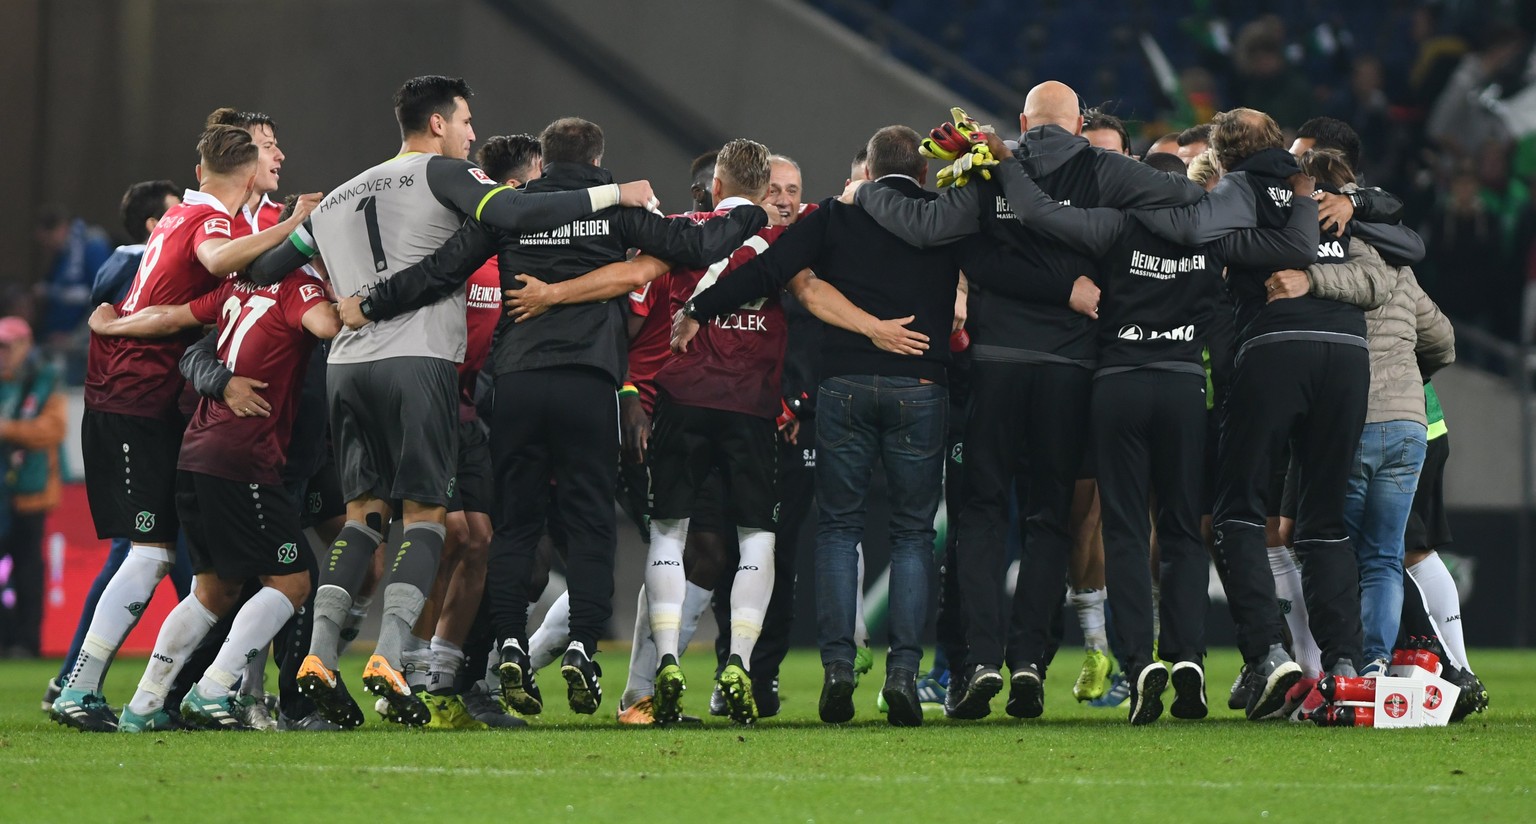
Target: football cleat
[85, 711]
[642, 713]
[51, 695]
[932, 689]
[863, 662]
[332, 701]
[518, 688]
[1093, 679]
[449, 713]
[210, 712]
[736, 684]
[158, 721]
[252, 712]
[582, 689]
[314, 722]
[486, 707]
[386, 682]
[1118, 695]
[666, 705]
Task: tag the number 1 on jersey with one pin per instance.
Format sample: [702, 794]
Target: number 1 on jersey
[370, 208]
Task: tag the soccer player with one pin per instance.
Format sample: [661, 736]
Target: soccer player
[716, 412]
[437, 645]
[131, 433]
[392, 385]
[556, 376]
[141, 209]
[260, 211]
[241, 521]
[874, 401]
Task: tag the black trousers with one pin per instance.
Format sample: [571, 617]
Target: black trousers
[1313, 396]
[797, 492]
[1025, 421]
[949, 624]
[23, 623]
[1149, 430]
[559, 424]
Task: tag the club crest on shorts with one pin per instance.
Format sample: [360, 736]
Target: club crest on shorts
[1285, 606]
[144, 521]
[957, 453]
[288, 553]
[315, 502]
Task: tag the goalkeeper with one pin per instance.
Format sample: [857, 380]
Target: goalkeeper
[1033, 356]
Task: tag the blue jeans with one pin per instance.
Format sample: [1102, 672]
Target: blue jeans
[181, 578]
[1376, 506]
[899, 422]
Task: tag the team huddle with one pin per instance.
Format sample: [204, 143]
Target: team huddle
[449, 371]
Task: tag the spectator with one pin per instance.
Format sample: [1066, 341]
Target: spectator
[1265, 79]
[32, 424]
[74, 250]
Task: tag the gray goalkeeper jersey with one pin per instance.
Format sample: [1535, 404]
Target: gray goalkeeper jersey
[399, 212]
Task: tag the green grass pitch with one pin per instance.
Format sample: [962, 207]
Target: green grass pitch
[1076, 764]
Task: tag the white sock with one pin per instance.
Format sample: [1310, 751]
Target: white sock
[860, 629]
[751, 590]
[117, 611]
[416, 657]
[642, 656]
[1443, 603]
[255, 624]
[1089, 604]
[695, 603]
[254, 680]
[665, 584]
[1293, 604]
[179, 636]
[643, 659]
[447, 660]
[549, 641]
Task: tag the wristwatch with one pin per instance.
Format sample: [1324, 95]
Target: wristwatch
[366, 307]
[691, 310]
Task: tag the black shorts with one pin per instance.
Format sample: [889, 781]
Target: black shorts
[130, 475]
[395, 423]
[322, 498]
[239, 530]
[1427, 524]
[689, 442]
[472, 489]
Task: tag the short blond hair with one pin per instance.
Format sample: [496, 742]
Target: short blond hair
[742, 166]
[1202, 167]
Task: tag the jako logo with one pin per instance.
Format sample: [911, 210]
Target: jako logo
[1130, 331]
[1331, 248]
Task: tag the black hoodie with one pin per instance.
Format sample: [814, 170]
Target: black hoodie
[1069, 170]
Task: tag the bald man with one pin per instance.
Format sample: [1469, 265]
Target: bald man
[1032, 373]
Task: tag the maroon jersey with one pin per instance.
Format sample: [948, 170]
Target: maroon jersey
[133, 376]
[736, 362]
[652, 346]
[483, 305]
[262, 337]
